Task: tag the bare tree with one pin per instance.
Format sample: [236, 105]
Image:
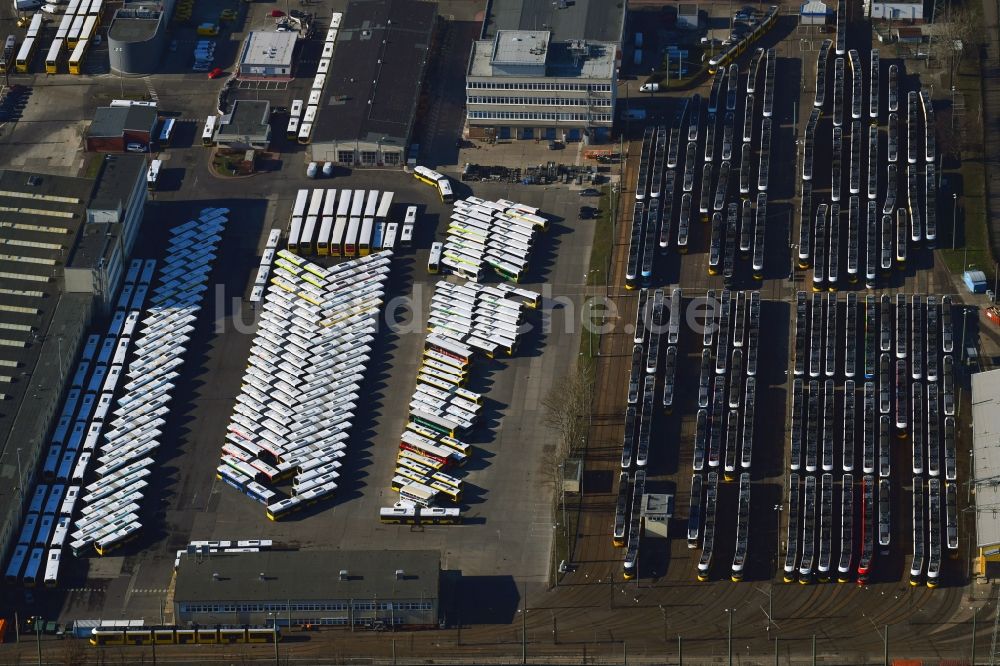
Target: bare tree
[567, 407]
[961, 33]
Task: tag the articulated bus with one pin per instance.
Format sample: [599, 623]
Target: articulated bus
[437, 180]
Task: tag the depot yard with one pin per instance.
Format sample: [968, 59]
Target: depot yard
[648, 419]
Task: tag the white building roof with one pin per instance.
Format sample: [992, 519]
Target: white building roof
[814, 8]
[521, 47]
[269, 49]
[986, 454]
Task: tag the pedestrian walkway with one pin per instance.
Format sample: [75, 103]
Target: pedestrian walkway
[991, 118]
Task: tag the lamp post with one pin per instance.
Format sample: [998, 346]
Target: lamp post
[777, 553]
[954, 218]
[729, 640]
[590, 313]
[884, 635]
[20, 479]
[121, 79]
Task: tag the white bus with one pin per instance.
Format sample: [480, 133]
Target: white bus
[153, 174]
[434, 259]
[351, 237]
[365, 237]
[208, 134]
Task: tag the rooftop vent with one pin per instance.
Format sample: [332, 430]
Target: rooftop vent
[343, 574]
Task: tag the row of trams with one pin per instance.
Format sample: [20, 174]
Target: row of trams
[660, 157]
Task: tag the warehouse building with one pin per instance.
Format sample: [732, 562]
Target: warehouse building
[374, 83]
[246, 127]
[267, 55]
[136, 39]
[986, 470]
[895, 11]
[114, 216]
[545, 70]
[41, 326]
[121, 128]
[370, 588]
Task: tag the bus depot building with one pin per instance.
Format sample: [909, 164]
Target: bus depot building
[365, 588]
[986, 470]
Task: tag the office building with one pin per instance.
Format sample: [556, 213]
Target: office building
[545, 70]
[267, 55]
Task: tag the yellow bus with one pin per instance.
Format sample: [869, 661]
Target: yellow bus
[79, 55]
[54, 56]
[25, 55]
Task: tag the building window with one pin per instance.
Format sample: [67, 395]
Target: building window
[345, 156]
[369, 157]
[391, 159]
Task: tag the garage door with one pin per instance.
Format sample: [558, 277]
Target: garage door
[573, 135]
[504, 132]
[550, 133]
[527, 132]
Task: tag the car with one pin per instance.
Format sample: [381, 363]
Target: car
[587, 212]
[227, 15]
[135, 147]
[555, 145]
[590, 192]
[276, 13]
[279, 110]
[215, 73]
[312, 170]
[297, 14]
[993, 314]
[328, 169]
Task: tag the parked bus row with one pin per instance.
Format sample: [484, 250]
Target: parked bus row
[211, 547]
[354, 224]
[264, 268]
[466, 320]
[48, 521]
[126, 453]
[293, 416]
[498, 235]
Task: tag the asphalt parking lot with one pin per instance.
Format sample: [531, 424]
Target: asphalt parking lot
[506, 498]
